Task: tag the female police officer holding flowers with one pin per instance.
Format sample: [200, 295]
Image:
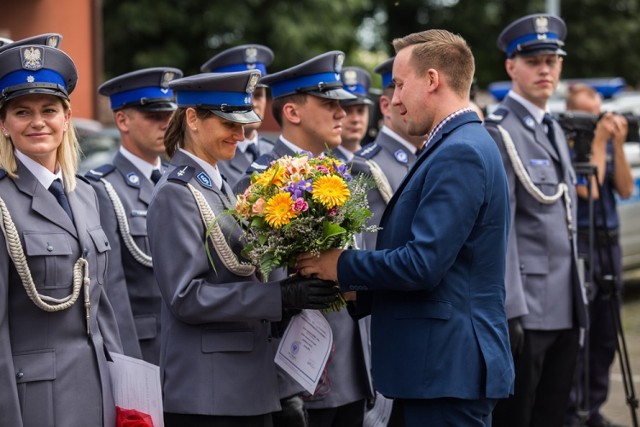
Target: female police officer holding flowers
[56, 325]
[216, 357]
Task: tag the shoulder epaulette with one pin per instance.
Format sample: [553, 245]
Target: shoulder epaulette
[369, 151]
[182, 174]
[83, 178]
[261, 164]
[98, 173]
[3, 173]
[267, 140]
[359, 165]
[497, 116]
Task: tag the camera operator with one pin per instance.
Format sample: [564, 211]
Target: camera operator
[613, 176]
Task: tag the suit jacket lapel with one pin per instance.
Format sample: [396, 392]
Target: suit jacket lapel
[433, 145]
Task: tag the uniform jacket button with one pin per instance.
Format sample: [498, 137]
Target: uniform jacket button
[20, 374]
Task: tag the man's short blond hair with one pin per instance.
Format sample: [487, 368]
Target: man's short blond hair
[443, 51]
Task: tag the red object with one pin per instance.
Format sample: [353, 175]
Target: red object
[132, 418]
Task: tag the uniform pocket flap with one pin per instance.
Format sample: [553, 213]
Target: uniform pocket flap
[221, 340]
[534, 264]
[138, 226]
[543, 173]
[146, 327]
[35, 366]
[43, 244]
[431, 309]
[100, 239]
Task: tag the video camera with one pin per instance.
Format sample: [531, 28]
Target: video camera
[579, 128]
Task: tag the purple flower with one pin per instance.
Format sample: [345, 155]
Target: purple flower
[333, 211]
[343, 170]
[297, 189]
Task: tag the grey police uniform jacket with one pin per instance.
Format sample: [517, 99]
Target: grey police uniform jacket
[394, 160]
[51, 372]
[542, 283]
[217, 354]
[132, 288]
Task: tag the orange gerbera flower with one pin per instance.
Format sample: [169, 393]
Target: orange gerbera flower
[279, 210]
[331, 191]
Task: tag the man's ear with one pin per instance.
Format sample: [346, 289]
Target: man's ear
[122, 121]
[433, 79]
[291, 113]
[509, 65]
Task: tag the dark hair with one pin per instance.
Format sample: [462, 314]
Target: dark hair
[278, 103]
[174, 135]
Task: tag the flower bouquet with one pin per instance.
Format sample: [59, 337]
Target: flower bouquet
[302, 204]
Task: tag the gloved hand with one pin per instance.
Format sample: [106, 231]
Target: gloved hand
[516, 336]
[315, 294]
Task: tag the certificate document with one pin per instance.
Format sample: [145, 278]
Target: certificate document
[305, 348]
[136, 387]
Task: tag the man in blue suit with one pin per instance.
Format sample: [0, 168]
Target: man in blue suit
[440, 344]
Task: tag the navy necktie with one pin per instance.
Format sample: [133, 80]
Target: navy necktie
[252, 149]
[156, 175]
[551, 134]
[56, 189]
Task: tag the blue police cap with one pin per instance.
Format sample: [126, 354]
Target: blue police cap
[5, 41]
[146, 89]
[240, 58]
[319, 76]
[47, 39]
[535, 34]
[227, 95]
[386, 72]
[36, 69]
[357, 81]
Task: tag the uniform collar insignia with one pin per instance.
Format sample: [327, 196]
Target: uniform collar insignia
[133, 179]
[529, 122]
[401, 156]
[204, 180]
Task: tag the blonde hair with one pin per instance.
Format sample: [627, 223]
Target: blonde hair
[446, 52]
[67, 153]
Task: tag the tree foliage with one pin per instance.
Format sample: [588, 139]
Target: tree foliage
[186, 33]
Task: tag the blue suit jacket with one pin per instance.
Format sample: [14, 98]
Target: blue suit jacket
[438, 323]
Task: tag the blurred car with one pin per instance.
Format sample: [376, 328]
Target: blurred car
[98, 143]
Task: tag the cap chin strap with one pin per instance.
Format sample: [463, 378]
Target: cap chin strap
[46, 303]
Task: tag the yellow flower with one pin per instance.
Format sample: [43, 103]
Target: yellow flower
[274, 175]
[330, 190]
[279, 210]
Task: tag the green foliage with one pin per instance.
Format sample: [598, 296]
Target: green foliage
[186, 33]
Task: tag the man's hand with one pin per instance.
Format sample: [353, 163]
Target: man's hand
[516, 336]
[324, 266]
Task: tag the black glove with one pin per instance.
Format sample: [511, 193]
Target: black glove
[516, 336]
[315, 294]
[293, 413]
